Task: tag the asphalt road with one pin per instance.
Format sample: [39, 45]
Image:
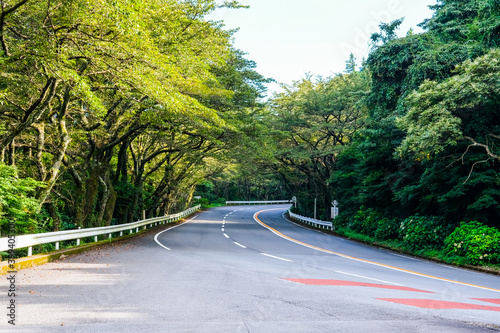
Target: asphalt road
[232, 270]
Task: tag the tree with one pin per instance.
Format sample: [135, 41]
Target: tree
[86, 78]
[315, 121]
[463, 107]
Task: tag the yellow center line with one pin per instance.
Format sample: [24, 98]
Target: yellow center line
[256, 217]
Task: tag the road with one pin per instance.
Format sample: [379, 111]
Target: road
[248, 269]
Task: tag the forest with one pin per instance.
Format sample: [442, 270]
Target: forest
[111, 110]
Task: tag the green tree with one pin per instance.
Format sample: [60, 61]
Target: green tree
[463, 107]
[314, 122]
[17, 204]
[82, 81]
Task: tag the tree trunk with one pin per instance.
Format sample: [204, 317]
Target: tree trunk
[11, 153]
[107, 203]
[53, 213]
[51, 177]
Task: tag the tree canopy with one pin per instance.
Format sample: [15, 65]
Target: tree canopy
[110, 109]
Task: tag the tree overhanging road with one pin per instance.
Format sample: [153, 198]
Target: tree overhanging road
[226, 271]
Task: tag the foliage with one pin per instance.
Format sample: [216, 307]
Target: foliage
[17, 204]
[462, 107]
[387, 32]
[387, 228]
[312, 122]
[473, 240]
[120, 106]
[424, 232]
[365, 221]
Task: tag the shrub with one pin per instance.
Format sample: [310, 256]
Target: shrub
[17, 202]
[201, 201]
[421, 233]
[341, 221]
[478, 243]
[221, 201]
[387, 229]
[365, 221]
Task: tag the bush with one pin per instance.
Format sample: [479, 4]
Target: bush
[221, 201]
[365, 221]
[478, 243]
[17, 202]
[201, 201]
[341, 221]
[420, 233]
[387, 229]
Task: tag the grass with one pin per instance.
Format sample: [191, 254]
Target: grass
[212, 205]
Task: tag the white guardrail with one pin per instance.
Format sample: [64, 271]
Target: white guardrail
[270, 202]
[311, 221]
[28, 241]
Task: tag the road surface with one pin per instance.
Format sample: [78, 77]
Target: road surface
[248, 269]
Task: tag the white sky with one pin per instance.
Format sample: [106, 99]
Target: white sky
[290, 38]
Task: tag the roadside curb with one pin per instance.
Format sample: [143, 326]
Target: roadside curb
[41, 259]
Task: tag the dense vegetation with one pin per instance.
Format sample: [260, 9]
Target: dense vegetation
[112, 108]
[408, 143]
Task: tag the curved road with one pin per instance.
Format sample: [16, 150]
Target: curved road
[248, 269]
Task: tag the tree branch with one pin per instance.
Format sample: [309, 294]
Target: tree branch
[486, 147]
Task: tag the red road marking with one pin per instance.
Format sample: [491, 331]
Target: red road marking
[320, 282]
[436, 304]
[488, 300]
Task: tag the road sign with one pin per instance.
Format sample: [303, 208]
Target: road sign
[335, 209]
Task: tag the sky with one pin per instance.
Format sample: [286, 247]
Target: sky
[289, 39]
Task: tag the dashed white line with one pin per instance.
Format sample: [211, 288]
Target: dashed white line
[279, 258]
[406, 257]
[243, 246]
[225, 235]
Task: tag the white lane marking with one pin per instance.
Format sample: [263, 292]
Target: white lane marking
[277, 233]
[225, 235]
[243, 246]
[222, 229]
[176, 226]
[268, 255]
[402, 256]
[366, 277]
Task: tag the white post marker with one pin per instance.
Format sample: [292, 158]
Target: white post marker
[315, 208]
[335, 209]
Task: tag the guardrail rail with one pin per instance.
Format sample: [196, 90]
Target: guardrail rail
[311, 221]
[28, 241]
[268, 202]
